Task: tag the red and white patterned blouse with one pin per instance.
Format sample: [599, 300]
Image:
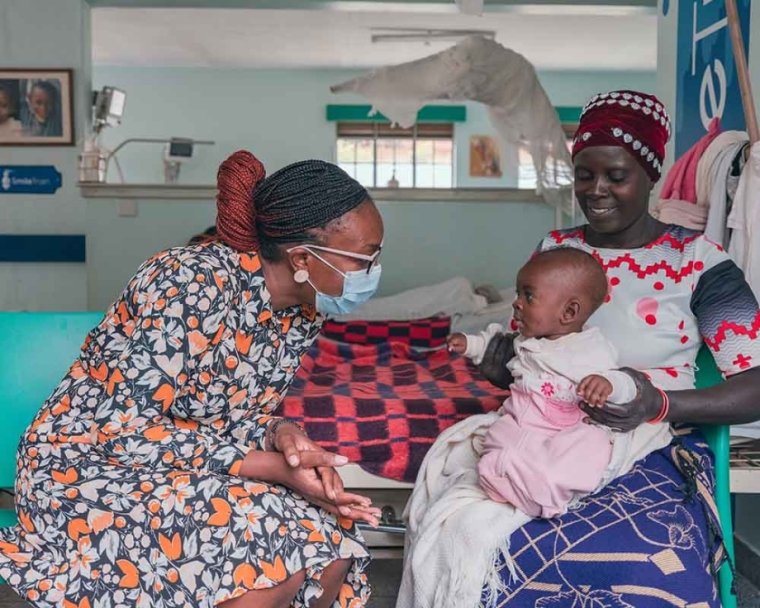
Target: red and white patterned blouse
[669, 296]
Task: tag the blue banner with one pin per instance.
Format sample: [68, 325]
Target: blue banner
[42, 248]
[707, 85]
[18, 179]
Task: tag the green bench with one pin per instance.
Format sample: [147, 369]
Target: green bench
[38, 348]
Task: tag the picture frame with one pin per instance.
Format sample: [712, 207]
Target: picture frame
[485, 159]
[36, 107]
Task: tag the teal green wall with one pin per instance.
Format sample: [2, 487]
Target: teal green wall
[425, 242]
[280, 116]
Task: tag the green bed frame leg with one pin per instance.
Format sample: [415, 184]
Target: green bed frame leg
[720, 444]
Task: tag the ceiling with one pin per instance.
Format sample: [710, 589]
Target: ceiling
[563, 36]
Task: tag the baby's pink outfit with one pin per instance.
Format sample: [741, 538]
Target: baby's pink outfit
[540, 455]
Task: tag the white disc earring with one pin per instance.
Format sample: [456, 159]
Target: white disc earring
[301, 276]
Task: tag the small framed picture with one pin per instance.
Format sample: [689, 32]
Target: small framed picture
[36, 107]
[485, 160]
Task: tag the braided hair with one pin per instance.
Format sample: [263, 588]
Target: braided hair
[259, 213]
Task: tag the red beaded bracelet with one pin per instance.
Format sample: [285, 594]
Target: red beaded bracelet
[664, 410]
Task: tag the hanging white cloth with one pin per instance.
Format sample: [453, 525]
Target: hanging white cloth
[479, 69]
[744, 220]
[708, 164]
[717, 178]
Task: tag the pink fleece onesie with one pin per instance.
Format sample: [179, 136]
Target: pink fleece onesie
[540, 455]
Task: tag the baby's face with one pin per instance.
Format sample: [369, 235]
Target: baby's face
[40, 104]
[539, 302]
[6, 107]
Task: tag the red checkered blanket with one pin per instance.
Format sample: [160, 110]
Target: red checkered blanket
[383, 405]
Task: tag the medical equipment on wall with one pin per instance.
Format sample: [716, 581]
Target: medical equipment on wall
[107, 110]
[108, 107]
[177, 150]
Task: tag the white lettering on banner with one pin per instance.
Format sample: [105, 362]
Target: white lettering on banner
[708, 86]
[698, 36]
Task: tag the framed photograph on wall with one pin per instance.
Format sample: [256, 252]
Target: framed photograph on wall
[485, 160]
[36, 107]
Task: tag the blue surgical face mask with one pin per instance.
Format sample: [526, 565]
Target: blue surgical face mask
[358, 285]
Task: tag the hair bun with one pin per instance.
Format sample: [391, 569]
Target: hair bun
[235, 209]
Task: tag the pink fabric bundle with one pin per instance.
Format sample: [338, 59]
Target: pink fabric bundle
[681, 181]
[681, 213]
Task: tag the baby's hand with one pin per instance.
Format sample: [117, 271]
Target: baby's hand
[457, 343]
[595, 390]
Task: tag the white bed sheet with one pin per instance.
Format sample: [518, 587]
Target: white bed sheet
[477, 321]
[453, 297]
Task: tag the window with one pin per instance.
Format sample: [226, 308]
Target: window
[376, 154]
[526, 172]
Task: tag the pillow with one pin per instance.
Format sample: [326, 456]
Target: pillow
[423, 333]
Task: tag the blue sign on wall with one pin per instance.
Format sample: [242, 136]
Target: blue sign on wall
[18, 179]
[707, 85]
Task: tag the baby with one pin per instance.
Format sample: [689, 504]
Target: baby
[540, 455]
[10, 128]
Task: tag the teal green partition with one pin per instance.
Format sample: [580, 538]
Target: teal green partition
[718, 437]
[36, 351]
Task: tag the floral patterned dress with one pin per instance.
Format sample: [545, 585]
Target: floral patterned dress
[127, 491]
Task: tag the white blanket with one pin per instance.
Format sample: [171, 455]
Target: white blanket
[453, 297]
[455, 533]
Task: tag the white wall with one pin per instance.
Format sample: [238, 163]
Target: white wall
[39, 33]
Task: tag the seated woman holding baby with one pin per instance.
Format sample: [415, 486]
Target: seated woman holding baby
[579, 486]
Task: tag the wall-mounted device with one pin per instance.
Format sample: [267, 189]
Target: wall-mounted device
[107, 111]
[177, 151]
[108, 107]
